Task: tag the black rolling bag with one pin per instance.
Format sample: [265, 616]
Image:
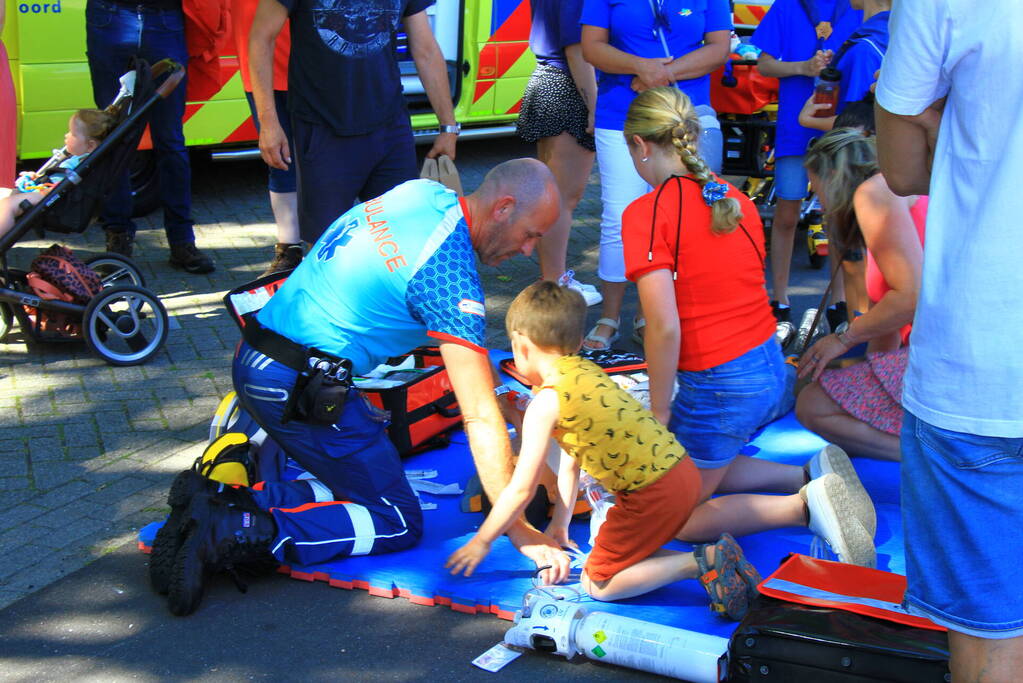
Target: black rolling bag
[793, 643]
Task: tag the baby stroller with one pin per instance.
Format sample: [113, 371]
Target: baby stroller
[124, 323]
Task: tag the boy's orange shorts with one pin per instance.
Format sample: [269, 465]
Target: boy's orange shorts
[642, 521]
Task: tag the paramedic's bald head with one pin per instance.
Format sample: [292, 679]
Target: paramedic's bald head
[515, 205]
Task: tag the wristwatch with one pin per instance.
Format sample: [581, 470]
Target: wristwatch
[447, 128]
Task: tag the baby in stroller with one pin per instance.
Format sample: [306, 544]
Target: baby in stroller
[86, 129]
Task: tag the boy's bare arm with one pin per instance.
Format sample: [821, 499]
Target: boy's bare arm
[537, 427]
[568, 492]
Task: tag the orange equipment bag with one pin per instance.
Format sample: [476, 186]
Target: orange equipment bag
[822, 583]
[422, 408]
[749, 93]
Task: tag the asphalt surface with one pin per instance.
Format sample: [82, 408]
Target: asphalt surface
[87, 453]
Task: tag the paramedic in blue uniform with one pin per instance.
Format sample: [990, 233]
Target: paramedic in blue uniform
[389, 275]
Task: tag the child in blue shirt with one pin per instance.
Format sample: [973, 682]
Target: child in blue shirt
[858, 60]
[798, 39]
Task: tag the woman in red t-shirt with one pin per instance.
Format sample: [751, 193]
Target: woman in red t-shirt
[860, 407]
[695, 248]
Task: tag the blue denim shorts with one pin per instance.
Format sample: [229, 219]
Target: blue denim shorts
[717, 410]
[962, 515]
[790, 179]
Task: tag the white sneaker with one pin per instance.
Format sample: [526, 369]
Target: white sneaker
[831, 458]
[832, 519]
[589, 292]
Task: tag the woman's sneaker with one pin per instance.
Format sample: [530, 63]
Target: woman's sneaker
[589, 292]
[831, 458]
[833, 520]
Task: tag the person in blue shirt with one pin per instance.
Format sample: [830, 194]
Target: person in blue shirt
[858, 60]
[390, 274]
[623, 40]
[798, 38]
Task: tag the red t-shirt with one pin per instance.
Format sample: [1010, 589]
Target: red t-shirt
[242, 14]
[720, 290]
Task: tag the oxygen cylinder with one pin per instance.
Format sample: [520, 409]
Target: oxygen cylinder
[565, 627]
[600, 500]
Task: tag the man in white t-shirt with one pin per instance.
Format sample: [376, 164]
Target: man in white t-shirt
[948, 125]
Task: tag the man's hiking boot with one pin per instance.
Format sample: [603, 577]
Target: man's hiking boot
[120, 242]
[219, 537]
[170, 536]
[286, 257]
[187, 257]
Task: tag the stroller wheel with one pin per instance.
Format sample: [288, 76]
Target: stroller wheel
[114, 270]
[6, 319]
[125, 325]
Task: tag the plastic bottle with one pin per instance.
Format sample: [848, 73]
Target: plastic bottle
[826, 92]
[784, 331]
[600, 500]
[805, 332]
[548, 624]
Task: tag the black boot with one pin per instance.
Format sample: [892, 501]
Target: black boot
[170, 536]
[218, 537]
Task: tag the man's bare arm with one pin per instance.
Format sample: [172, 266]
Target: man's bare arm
[433, 74]
[472, 380]
[905, 148]
[268, 22]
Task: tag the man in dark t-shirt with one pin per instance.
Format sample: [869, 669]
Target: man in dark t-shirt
[352, 135]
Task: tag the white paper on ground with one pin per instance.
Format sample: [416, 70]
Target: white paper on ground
[496, 658]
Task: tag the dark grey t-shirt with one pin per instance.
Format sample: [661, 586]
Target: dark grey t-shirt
[343, 71]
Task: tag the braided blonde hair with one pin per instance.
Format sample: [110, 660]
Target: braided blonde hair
[666, 117]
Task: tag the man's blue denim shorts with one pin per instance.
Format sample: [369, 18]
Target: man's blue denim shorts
[962, 515]
[790, 179]
[717, 410]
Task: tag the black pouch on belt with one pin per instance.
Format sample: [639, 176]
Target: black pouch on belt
[320, 392]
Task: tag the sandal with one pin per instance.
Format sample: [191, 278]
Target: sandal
[600, 342]
[638, 323]
[724, 582]
[747, 572]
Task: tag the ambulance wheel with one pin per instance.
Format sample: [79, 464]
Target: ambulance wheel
[6, 319]
[145, 183]
[114, 270]
[125, 325]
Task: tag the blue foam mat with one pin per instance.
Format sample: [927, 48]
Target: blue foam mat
[500, 582]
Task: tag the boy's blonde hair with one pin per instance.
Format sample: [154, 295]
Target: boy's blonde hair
[666, 117]
[97, 123]
[549, 315]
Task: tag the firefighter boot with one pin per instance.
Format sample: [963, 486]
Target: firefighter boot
[218, 536]
[170, 535]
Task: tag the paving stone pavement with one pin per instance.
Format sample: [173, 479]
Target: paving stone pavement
[87, 450]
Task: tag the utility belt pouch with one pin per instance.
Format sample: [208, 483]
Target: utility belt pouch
[320, 392]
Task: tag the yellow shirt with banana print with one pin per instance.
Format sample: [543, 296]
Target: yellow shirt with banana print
[615, 439]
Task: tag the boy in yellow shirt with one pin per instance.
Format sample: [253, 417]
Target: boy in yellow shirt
[606, 432]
